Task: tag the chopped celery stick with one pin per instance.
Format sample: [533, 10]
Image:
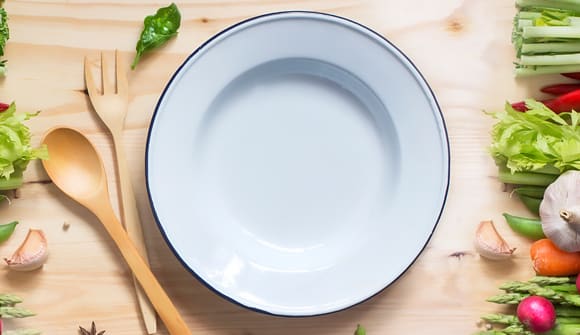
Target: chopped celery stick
[551, 32]
[571, 5]
[525, 15]
[524, 23]
[550, 48]
[560, 59]
[572, 21]
[523, 71]
[546, 37]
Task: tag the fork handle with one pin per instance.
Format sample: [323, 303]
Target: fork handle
[131, 219]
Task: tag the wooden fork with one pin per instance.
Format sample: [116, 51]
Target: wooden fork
[111, 104]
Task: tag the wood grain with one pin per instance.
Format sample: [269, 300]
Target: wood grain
[462, 48]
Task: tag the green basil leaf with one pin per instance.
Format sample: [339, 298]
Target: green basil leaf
[157, 29]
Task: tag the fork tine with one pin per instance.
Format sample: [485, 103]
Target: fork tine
[89, 80]
[122, 83]
[108, 85]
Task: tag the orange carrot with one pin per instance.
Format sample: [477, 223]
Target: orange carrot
[548, 260]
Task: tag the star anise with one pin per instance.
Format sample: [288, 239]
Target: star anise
[93, 331]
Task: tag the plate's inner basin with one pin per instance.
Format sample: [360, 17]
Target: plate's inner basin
[276, 180]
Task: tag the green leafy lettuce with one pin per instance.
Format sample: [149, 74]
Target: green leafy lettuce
[15, 148]
[537, 140]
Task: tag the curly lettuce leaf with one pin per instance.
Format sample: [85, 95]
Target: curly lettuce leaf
[536, 140]
[15, 148]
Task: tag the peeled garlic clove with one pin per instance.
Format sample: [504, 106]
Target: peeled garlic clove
[31, 254]
[490, 244]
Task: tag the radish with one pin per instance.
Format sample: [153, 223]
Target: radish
[578, 283]
[537, 314]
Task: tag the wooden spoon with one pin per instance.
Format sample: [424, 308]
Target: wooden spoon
[76, 168]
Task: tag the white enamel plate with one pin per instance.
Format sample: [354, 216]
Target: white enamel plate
[297, 163]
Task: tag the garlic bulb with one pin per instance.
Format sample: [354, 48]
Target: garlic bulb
[560, 211]
[31, 254]
[489, 243]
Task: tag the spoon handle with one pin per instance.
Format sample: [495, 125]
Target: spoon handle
[157, 296]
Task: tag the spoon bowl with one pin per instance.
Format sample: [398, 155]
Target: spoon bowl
[80, 175]
[77, 169]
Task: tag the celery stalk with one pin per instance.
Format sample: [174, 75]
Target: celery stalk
[10, 184]
[546, 37]
[571, 5]
[526, 178]
[560, 59]
[528, 15]
[524, 23]
[521, 22]
[551, 32]
[549, 48]
[523, 71]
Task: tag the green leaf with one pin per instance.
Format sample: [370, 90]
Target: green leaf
[157, 29]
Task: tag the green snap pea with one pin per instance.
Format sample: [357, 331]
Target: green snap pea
[360, 330]
[532, 204]
[531, 191]
[6, 230]
[531, 228]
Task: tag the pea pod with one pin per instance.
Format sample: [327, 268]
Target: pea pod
[6, 230]
[531, 228]
[531, 191]
[532, 204]
[360, 330]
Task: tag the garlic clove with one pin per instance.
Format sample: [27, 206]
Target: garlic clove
[31, 254]
[489, 243]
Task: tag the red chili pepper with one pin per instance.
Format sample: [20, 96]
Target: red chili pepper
[560, 89]
[3, 107]
[573, 75]
[520, 106]
[565, 103]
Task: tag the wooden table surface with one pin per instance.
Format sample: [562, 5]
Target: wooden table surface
[461, 47]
